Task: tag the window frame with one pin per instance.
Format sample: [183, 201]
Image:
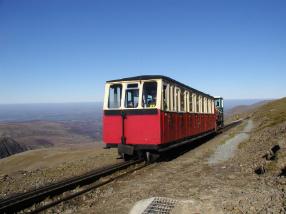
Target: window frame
[194, 97]
[205, 105]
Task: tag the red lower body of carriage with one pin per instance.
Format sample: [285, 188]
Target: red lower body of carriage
[154, 129]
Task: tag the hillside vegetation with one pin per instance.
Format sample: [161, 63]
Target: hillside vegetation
[242, 111]
[271, 114]
[268, 140]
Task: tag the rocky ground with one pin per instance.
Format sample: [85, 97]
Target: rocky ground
[252, 180]
[230, 186]
[35, 168]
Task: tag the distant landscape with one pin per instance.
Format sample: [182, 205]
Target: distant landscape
[48, 125]
[50, 112]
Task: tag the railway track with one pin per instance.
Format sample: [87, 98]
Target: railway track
[26, 200]
[232, 124]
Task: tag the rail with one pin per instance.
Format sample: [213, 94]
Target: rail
[232, 124]
[24, 200]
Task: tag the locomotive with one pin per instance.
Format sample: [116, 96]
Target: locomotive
[150, 114]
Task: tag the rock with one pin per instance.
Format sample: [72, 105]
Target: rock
[260, 170]
[269, 155]
[283, 172]
[275, 148]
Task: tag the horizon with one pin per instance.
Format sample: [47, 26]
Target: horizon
[64, 51]
[101, 102]
[85, 111]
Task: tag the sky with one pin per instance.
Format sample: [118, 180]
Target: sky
[65, 50]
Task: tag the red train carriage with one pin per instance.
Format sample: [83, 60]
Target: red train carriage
[146, 114]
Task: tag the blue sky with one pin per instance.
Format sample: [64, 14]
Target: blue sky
[64, 50]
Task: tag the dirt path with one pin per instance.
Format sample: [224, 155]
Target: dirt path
[228, 149]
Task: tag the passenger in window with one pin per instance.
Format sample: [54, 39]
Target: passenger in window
[130, 104]
[149, 95]
[152, 103]
[135, 105]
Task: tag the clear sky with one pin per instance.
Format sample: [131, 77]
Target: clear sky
[64, 50]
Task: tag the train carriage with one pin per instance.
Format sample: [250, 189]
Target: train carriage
[146, 114]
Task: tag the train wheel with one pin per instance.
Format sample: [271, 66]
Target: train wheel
[126, 157]
[140, 155]
[151, 157]
[148, 157]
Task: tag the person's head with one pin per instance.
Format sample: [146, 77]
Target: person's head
[130, 104]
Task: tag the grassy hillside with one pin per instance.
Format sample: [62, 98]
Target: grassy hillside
[267, 142]
[242, 111]
[271, 113]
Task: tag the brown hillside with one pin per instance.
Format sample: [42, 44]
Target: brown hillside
[271, 113]
[9, 146]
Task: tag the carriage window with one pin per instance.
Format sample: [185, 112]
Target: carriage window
[165, 95]
[115, 92]
[131, 98]
[149, 97]
[171, 98]
[182, 100]
[190, 102]
[198, 104]
[177, 94]
[203, 105]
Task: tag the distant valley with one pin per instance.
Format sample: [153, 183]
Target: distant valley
[50, 112]
[47, 125]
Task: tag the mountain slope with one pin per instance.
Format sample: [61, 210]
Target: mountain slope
[271, 114]
[9, 146]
